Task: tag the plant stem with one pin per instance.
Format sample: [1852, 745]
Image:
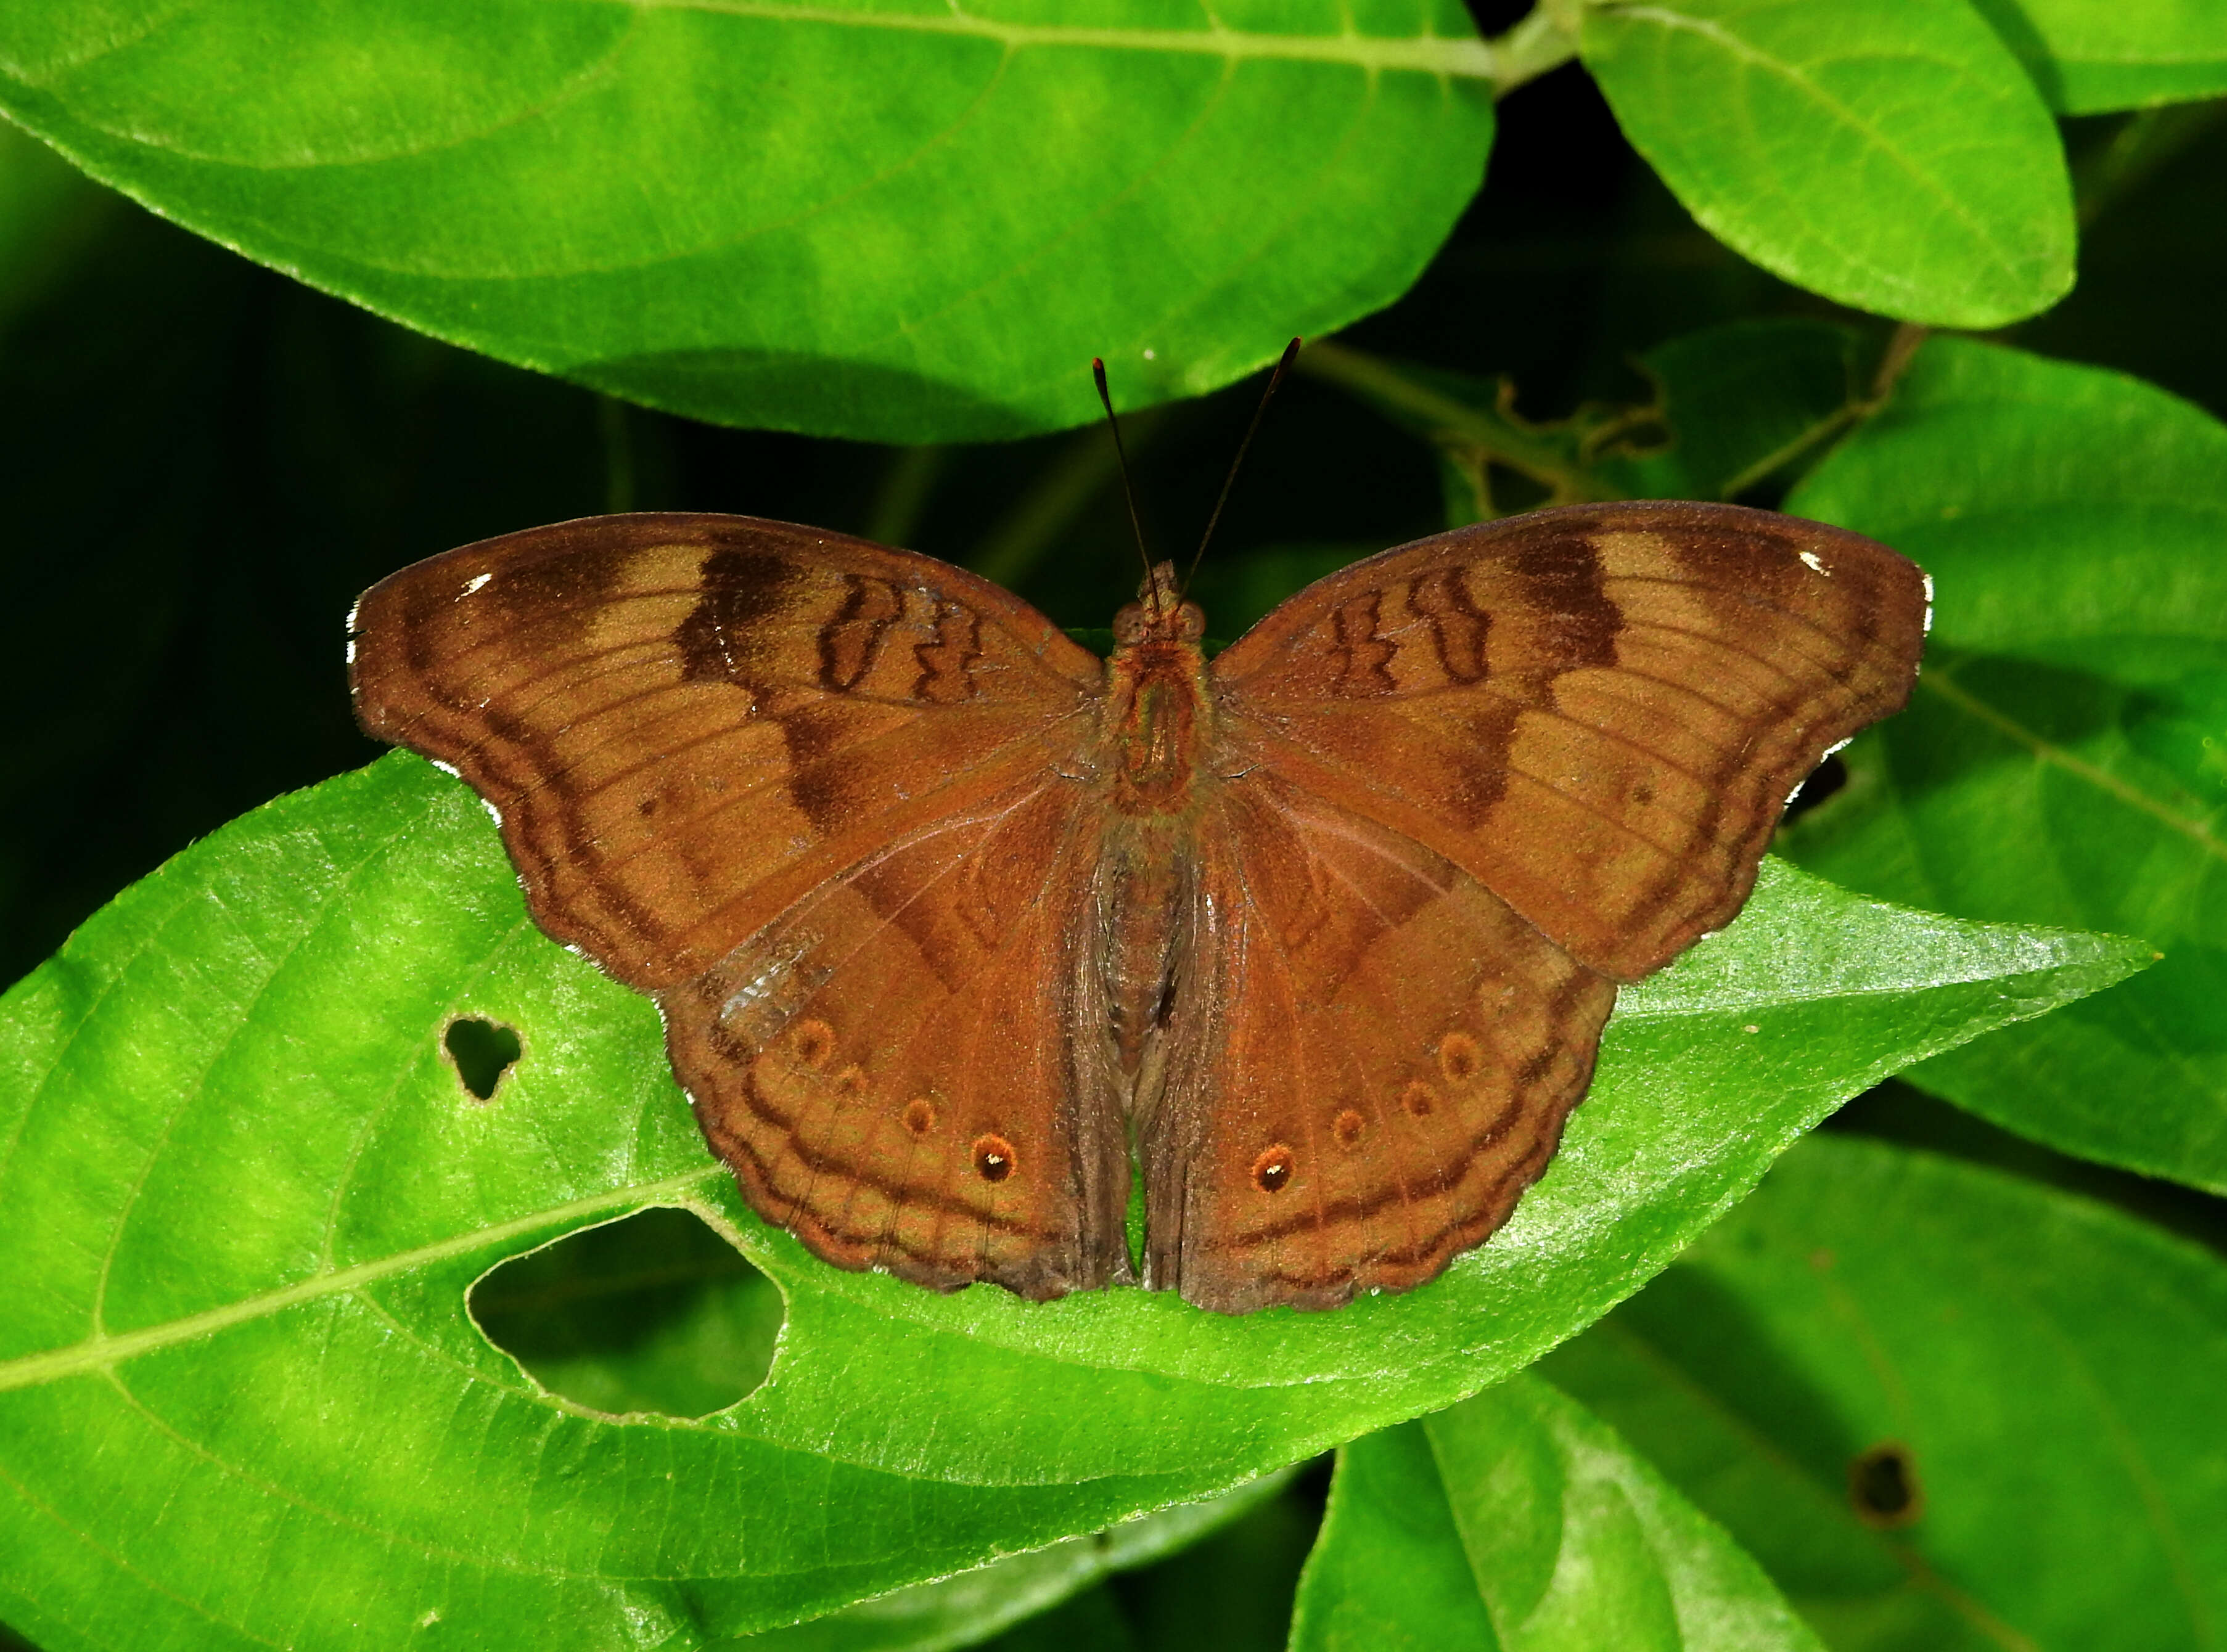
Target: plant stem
[1454, 423]
[1545, 40]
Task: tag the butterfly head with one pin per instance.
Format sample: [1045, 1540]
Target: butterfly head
[1159, 613]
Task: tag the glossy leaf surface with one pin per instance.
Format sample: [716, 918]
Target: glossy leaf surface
[2092, 56]
[880, 221]
[2044, 1372]
[1890, 154]
[254, 1195]
[1516, 1521]
[2061, 762]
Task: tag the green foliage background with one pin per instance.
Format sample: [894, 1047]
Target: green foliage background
[304, 1343]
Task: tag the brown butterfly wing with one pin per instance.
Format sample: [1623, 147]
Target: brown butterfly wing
[731, 755]
[1598, 711]
[1468, 785]
[899, 1068]
[1382, 1057]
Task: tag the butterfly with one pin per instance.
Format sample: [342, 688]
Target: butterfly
[952, 922]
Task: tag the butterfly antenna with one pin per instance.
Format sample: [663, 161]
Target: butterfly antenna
[1122, 453]
[1283, 365]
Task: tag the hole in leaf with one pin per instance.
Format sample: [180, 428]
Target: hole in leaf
[655, 1313]
[1827, 778]
[483, 1052]
[1883, 1486]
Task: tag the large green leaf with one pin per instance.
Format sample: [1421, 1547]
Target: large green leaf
[975, 1606]
[241, 1397]
[2062, 760]
[1518, 1522]
[2022, 1389]
[1890, 154]
[893, 221]
[2092, 56]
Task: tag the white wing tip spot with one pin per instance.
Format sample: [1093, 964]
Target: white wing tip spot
[1816, 564]
[447, 768]
[476, 583]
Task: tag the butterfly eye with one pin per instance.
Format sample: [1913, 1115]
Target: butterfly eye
[1191, 622]
[993, 1157]
[1271, 1171]
[1129, 623]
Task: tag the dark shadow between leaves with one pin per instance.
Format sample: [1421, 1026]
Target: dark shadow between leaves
[1826, 778]
[654, 1314]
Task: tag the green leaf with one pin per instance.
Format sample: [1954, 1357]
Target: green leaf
[2074, 705]
[1743, 403]
[975, 1605]
[882, 220]
[1889, 154]
[240, 1395]
[2043, 1374]
[1518, 1522]
[2089, 56]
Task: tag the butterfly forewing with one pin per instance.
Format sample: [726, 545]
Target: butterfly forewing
[1598, 711]
[685, 723]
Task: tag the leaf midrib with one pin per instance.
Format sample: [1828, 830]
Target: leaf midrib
[100, 1353]
[1447, 57]
[2049, 752]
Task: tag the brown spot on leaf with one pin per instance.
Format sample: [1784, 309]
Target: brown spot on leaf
[1883, 1486]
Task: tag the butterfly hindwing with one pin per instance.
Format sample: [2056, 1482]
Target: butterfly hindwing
[899, 1068]
[1599, 712]
[1376, 1061]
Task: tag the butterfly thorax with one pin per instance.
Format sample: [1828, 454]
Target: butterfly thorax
[1157, 708]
